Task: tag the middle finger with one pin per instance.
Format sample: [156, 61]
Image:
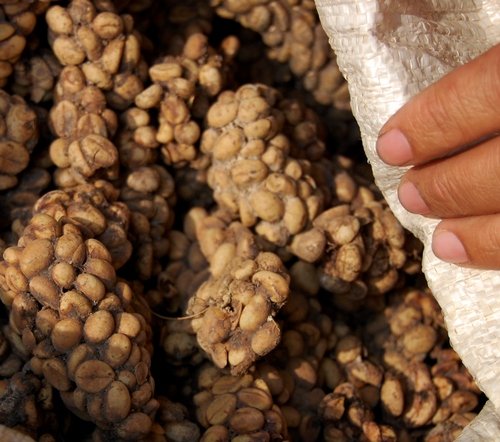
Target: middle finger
[462, 185]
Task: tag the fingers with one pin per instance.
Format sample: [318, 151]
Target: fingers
[471, 241]
[458, 110]
[462, 185]
[432, 132]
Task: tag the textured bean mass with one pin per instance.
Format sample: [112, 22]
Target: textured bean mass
[76, 326]
[183, 197]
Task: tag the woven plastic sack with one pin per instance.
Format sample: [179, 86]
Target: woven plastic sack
[389, 50]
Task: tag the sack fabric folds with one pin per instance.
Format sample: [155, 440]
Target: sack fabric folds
[389, 50]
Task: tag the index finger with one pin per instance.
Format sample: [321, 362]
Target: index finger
[458, 110]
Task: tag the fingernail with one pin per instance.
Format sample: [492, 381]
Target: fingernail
[448, 247]
[394, 148]
[411, 200]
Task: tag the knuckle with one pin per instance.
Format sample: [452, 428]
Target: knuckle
[450, 110]
[488, 239]
[492, 83]
[438, 115]
[443, 195]
[439, 110]
[427, 114]
[492, 163]
[480, 237]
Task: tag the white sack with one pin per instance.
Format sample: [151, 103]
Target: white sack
[389, 50]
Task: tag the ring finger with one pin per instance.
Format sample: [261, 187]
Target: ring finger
[472, 241]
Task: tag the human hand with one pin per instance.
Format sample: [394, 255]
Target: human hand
[450, 179]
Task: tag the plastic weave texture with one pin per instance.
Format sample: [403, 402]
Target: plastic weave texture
[389, 50]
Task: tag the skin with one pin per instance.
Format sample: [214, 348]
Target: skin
[450, 134]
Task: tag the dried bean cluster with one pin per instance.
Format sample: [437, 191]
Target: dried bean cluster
[18, 136]
[83, 126]
[101, 42]
[71, 314]
[150, 196]
[240, 407]
[17, 21]
[251, 173]
[93, 207]
[294, 35]
[35, 75]
[234, 307]
[181, 90]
